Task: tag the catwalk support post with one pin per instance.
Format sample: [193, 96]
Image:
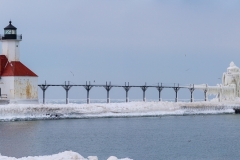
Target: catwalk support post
[88, 87]
[108, 88]
[127, 88]
[205, 93]
[176, 89]
[191, 89]
[144, 88]
[67, 88]
[44, 88]
[159, 88]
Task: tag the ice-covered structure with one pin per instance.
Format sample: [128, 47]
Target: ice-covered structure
[231, 78]
[230, 87]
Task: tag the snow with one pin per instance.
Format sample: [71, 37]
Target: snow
[14, 112]
[67, 155]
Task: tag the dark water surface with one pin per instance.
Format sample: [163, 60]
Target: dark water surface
[143, 138]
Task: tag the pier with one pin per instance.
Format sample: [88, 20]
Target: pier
[108, 86]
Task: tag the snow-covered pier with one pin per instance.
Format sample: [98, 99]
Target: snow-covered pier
[15, 112]
[227, 91]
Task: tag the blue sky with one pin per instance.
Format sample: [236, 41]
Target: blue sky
[126, 41]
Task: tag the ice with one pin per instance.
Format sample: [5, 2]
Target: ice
[115, 158]
[229, 89]
[67, 155]
[14, 112]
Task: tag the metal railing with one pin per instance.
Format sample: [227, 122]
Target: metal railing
[19, 37]
[13, 36]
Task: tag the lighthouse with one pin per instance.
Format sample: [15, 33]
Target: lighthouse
[232, 78]
[18, 84]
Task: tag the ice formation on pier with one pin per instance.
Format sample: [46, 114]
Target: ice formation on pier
[230, 87]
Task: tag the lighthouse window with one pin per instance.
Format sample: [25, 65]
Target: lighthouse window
[8, 31]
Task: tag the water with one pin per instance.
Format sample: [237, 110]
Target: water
[142, 138]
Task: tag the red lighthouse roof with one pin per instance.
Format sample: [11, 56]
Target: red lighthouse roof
[14, 68]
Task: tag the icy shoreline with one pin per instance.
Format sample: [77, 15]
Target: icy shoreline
[15, 112]
[67, 155]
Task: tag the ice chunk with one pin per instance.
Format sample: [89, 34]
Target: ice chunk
[67, 155]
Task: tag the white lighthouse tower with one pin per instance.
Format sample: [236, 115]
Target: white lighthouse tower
[232, 78]
[18, 83]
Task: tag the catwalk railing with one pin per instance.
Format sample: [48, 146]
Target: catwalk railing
[108, 86]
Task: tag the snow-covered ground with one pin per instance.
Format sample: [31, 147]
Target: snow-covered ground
[67, 155]
[12, 112]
